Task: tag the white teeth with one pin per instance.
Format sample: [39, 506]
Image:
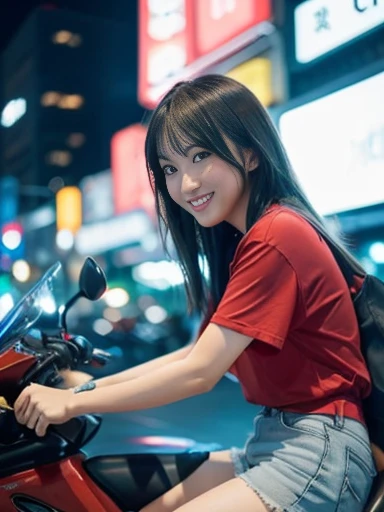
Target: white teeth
[202, 200]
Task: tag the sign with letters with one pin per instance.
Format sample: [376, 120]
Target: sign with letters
[165, 45]
[323, 25]
[179, 37]
[336, 146]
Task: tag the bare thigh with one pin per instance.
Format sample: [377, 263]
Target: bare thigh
[227, 497]
[213, 472]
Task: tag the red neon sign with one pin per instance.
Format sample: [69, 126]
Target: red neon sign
[172, 35]
[165, 45]
[219, 21]
[131, 187]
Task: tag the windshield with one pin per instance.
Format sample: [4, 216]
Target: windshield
[26, 313]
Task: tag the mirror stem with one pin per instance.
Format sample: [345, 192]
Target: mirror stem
[68, 305]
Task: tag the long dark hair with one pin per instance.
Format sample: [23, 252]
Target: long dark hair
[208, 112]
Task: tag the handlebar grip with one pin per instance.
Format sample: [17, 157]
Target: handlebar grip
[84, 348]
[100, 357]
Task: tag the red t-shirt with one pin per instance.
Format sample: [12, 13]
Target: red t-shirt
[287, 292]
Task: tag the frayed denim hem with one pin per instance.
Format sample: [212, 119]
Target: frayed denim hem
[240, 464]
[265, 500]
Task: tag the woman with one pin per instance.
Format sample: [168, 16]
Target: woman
[278, 314]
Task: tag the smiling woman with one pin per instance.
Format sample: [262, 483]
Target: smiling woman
[206, 186]
[278, 317]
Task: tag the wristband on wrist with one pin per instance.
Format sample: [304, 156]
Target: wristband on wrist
[87, 386]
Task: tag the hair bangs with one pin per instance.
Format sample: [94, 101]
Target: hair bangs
[171, 138]
[175, 136]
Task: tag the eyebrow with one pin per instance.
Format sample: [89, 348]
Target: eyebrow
[186, 150]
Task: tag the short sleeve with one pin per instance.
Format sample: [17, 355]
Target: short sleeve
[261, 296]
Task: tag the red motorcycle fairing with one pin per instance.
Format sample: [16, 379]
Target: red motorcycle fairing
[99, 484]
[14, 365]
[63, 486]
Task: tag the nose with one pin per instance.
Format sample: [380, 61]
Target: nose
[189, 184]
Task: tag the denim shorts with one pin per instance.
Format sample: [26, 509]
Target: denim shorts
[307, 462]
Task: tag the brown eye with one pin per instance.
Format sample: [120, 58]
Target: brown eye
[169, 170]
[201, 156]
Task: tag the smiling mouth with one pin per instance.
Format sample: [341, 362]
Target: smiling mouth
[202, 200]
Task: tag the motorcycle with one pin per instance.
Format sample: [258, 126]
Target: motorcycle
[53, 473]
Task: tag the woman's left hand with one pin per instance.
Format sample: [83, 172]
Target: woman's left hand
[39, 406]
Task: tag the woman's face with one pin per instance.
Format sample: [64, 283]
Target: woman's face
[206, 186]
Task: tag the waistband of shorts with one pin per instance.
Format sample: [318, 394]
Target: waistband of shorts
[340, 408]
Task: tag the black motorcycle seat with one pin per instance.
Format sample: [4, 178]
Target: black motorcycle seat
[132, 481]
[376, 499]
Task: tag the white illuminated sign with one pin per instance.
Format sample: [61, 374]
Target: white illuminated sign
[13, 111]
[323, 25]
[113, 233]
[336, 146]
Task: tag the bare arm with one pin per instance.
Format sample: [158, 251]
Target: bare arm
[142, 369]
[196, 373]
[207, 361]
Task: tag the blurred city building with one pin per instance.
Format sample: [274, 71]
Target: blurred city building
[69, 82]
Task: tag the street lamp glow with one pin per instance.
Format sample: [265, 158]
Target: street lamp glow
[155, 314]
[112, 314]
[102, 326]
[13, 111]
[21, 271]
[116, 297]
[65, 239]
[48, 304]
[6, 304]
[376, 252]
[11, 239]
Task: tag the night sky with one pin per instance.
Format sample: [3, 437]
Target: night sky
[13, 12]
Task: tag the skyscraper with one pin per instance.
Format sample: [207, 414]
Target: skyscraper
[69, 83]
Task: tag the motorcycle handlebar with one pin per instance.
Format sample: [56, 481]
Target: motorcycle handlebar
[83, 348]
[57, 353]
[87, 354]
[100, 357]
